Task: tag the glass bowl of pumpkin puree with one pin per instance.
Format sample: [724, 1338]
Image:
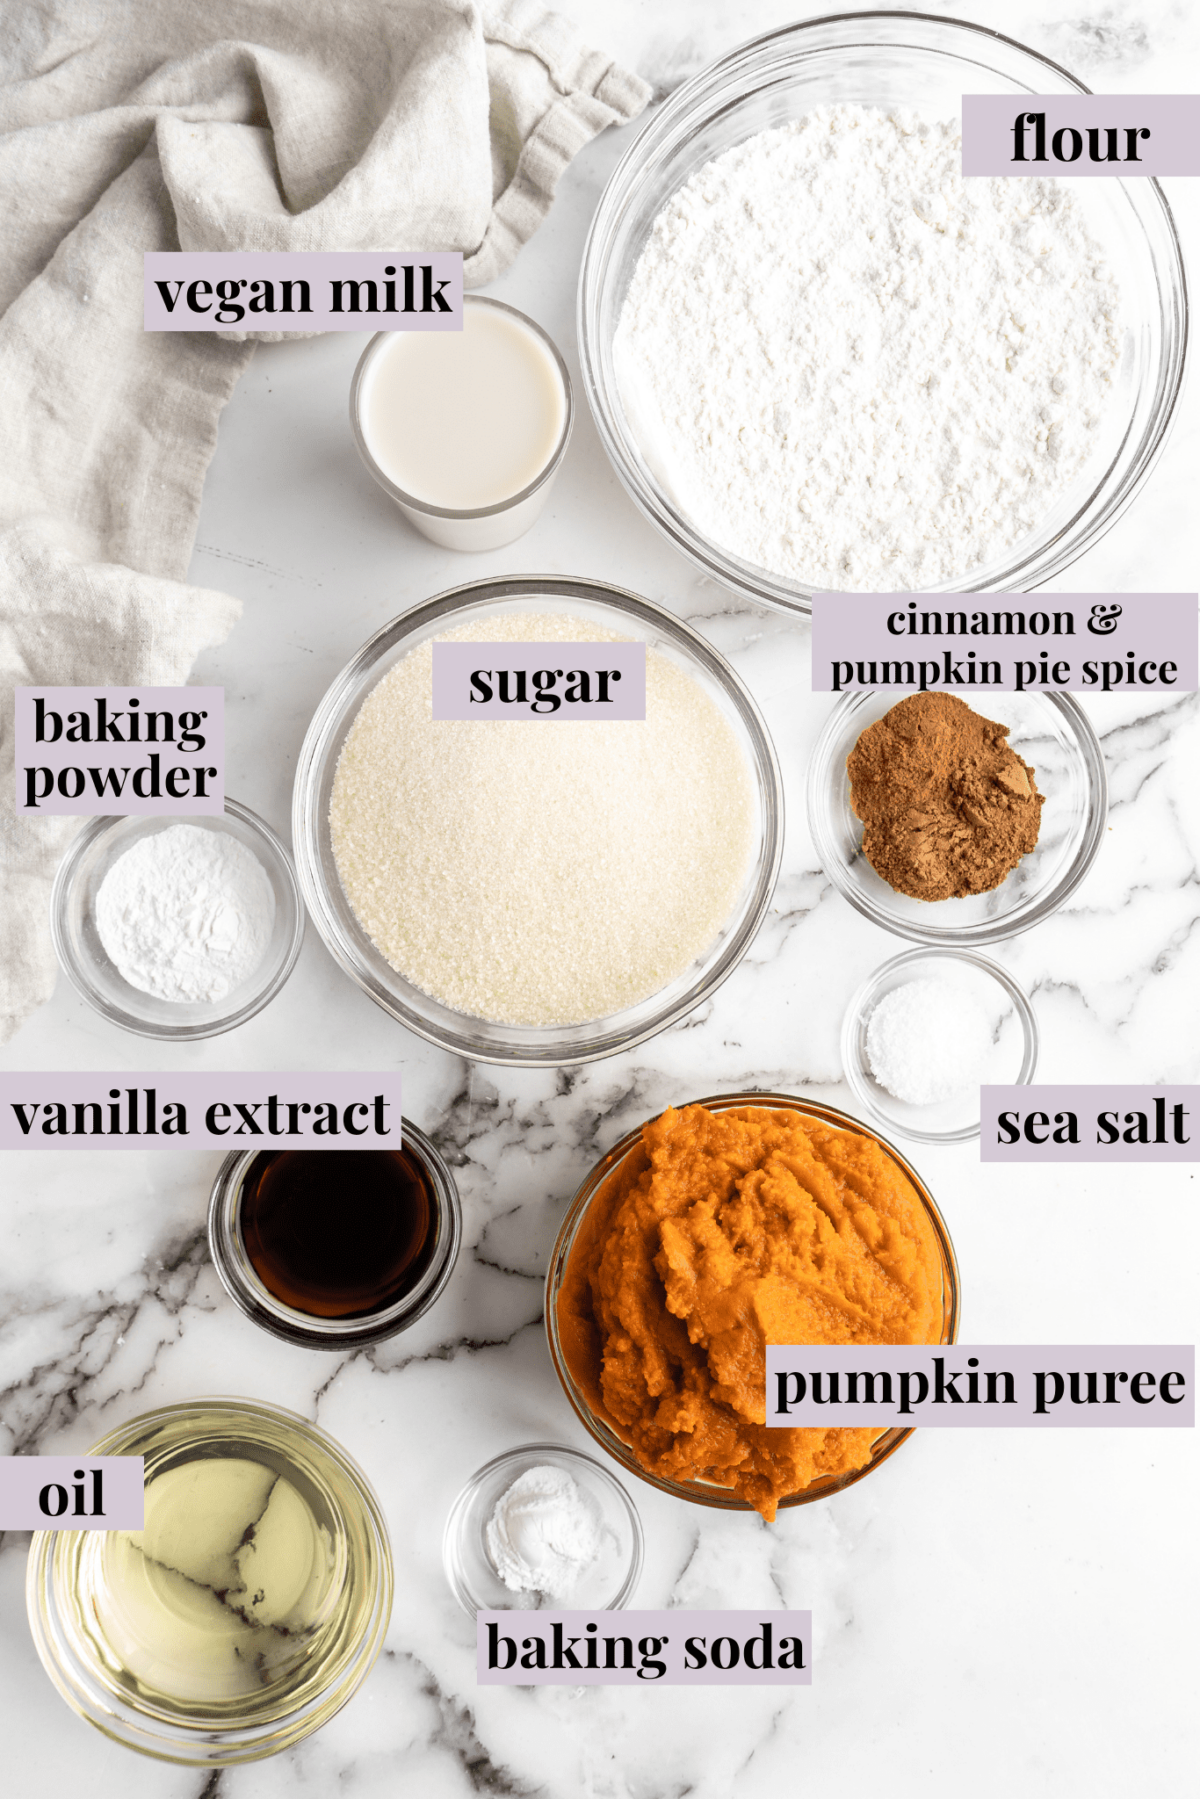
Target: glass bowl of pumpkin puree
[704, 1235]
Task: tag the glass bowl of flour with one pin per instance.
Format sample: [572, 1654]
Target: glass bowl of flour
[821, 361]
[177, 928]
[545, 892]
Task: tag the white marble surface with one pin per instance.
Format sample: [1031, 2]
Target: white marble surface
[994, 1613]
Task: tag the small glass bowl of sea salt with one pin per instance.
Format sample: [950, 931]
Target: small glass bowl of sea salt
[192, 935]
[542, 1526]
[926, 1031]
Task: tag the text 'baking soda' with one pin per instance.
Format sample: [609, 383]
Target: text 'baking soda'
[674, 1648]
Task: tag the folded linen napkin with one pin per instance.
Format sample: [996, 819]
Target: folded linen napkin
[134, 125]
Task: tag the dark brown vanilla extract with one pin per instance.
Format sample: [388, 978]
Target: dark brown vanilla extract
[338, 1233]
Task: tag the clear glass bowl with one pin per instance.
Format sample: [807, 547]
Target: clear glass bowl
[886, 59]
[483, 527]
[348, 943]
[607, 1586]
[305, 1329]
[702, 1492]
[67, 1586]
[1051, 732]
[83, 957]
[1011, 1060]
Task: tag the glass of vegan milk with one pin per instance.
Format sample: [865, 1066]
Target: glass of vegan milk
[465, 429]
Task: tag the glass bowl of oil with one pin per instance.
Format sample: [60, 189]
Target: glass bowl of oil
[248, 1609]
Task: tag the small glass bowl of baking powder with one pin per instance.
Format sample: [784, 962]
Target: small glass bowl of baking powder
[914, 1016]
[606, 1584]
[94, 852]
[886, 60]
[1049, 731]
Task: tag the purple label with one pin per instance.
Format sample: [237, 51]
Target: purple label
[539, 680]
[974, 1386]
[1005, 642]
[72, 1492]
[241, 1110]
[114, 751]
[644, 1649]
[1088, 1124]
[303, 290]
[1080, 134]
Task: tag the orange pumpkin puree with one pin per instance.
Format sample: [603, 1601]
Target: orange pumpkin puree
[723, 1232]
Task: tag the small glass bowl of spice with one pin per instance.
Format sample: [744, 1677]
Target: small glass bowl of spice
[542, 1526]
[952, 827]
[335, 1249]
[177, 928]
[924, 1033]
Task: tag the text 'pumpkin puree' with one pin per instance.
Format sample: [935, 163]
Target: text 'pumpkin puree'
[725, 1232]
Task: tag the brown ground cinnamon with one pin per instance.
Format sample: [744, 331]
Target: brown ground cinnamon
[948, 808]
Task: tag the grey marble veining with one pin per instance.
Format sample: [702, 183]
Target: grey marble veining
[994, 1613]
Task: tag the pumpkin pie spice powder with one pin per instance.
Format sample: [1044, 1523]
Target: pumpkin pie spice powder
[948, 808]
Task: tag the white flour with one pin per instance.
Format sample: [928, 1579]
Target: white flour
[854, 368]
[186, 914]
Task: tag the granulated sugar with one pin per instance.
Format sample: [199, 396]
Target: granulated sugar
[856, 369]
[541, 873]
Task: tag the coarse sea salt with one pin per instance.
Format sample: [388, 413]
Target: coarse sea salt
[928, 1040]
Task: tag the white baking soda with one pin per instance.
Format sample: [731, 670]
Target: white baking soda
[856, 369]
[544, 1533]
[541, 873]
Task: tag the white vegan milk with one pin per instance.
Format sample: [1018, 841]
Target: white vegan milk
[459, 421]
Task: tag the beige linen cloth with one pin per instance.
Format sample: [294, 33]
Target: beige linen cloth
[133, 125]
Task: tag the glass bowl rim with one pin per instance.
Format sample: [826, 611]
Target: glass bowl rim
[998, 928]
[333, 715]
[62, 897]
[696, 1492]
[466, 1493]
[866, 992]
[1089, 522]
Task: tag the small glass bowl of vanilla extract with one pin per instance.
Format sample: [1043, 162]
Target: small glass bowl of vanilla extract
[335, 1249]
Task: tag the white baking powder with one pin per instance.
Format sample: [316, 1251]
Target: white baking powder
[928, 1040]
[856, 369]
[186, 914]
[544, 1533]
[541, 873]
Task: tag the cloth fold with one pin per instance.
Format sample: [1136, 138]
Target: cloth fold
[134, 125]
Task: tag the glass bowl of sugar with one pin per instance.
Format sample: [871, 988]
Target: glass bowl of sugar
[177, 928]
[537, 891]
[734, 323]
[926, 1031]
